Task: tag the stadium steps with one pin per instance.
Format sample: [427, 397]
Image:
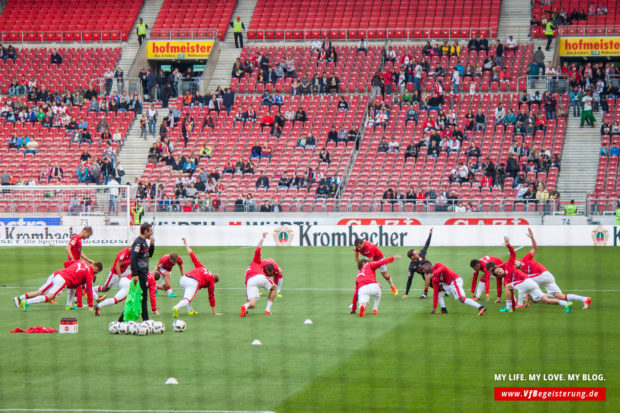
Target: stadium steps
[228, 52]
[514, 19]
[579, 160]
[134, 152]
[149, 13]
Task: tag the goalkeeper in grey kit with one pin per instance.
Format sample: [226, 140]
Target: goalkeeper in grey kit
[418, 258]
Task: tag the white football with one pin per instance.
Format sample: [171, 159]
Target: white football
[132, 327]
[179, 326]
[158, 327]
[150, 324]
[122, 328]
[142, 329]
[113, 327]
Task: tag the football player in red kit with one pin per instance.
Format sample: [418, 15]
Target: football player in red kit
[541, 275]
[164, 267]
[256, 277]
[370, 251]
[124, 284]
[71, 277]
[74, 247]
[193, 281]
[366, 285]
[277, 274]
[452, 283]
[485, 281]
[515, 279]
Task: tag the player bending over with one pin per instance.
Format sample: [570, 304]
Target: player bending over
[256, 278]
[119, 269]
[71, 277]
[485, 281]
[418, 258]
[74, 247]
[517, 280]
[366, 284]
[193, 281]
[370, 251]
[164, 267]
[541, 275]
[123, 284]
[452, 283]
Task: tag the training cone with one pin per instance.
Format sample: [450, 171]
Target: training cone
[256, 343]
[308, 321]
[172, 380]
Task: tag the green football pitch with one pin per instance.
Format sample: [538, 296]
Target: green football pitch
[402, 360]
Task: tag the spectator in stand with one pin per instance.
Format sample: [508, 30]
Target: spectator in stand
[500, 115]
[267, 121]
[614, 151]
[324, 156]
[480, 120]
[300, 115]
[377, 85]
[586, 114]
[473, 150]
[316, 44]
[512, 166]
[499, 52]
[262, 181]
[393, 145]
[333, 84]
[256, 151]
[56, 173]
[286, 181]
[511, 45]
[342, 104]
[362, 46]
[55, 58]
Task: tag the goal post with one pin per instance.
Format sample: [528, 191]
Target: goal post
[65, 208]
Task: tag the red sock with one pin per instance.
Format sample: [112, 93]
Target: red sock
[27, 296]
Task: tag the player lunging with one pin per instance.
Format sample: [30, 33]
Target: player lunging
[541, 275]
[42, 290]
[485, 281]
[71, 277]
[255, 279]
[123, 284]
[418, 258]
[74, 247]
[452, 283]
[516, 280]
[366, 285]
[193, 281]
[164, 267]
[370, 251]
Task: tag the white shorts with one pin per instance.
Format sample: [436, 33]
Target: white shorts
[529, 286]
[113, 278]
[455, 288]
[190, 287]
[367, 291]
[255, 283]
[382, 269]
[58, 284]
[547, 280]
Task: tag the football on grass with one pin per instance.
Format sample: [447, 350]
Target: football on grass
[179, 326]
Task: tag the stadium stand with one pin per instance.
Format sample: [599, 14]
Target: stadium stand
[577, 17]
[68, 20]
[376, 171]
[286, 156]
[180, 18]
[55, 143]
[355, 69]
[31, 63]
[284, 19]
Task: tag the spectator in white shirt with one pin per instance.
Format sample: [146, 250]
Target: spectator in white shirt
[511, 44]
[362, 46]
[393, 146]
[316, 44]
[500, 114]
[460, 207]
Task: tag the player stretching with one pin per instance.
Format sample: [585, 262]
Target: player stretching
[164, 267]
[119, 269]
[485, 281]
[42, 290]
[74, 248]
[193, 281]
[370, 251]
[539, 274]
[256, 278]
[517, 280]
[366, 285]
[71, 277]
[277, 274]
[418, 258]
[452, 283]
[123, 284]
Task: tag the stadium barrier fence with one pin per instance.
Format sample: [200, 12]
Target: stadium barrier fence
[69, 36]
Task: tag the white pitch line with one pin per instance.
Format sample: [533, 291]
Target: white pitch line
[518, 248]
[135, 411]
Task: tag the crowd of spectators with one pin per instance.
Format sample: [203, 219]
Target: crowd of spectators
[566, 17]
